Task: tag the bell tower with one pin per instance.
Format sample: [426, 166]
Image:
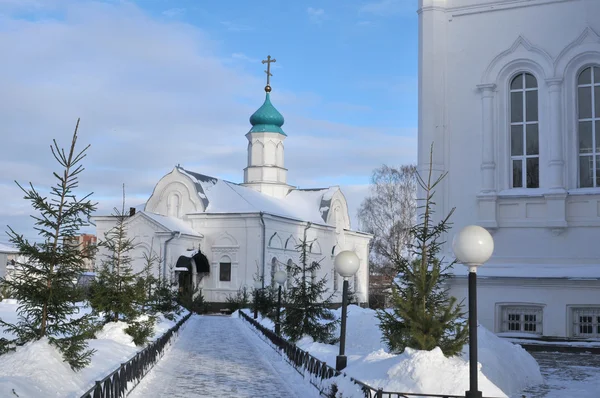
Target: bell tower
[265, 171]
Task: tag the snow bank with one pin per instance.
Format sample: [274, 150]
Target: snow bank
[37, 368]
[504, 368]
[115, 331]
[507, 365]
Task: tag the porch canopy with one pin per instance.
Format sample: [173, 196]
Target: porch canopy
[185, 261]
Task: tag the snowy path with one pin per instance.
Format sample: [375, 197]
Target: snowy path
[216, 356]
[567, 375]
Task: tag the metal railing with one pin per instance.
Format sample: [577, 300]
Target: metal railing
[321, 371]
[371, 392]
[115, 385]
[300, 359]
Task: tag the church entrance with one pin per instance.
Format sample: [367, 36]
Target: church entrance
[190, 269]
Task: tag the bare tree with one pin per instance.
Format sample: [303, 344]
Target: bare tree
[388, 213]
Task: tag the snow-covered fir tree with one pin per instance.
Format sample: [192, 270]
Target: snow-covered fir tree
[307, 309]
[118, 293]
[46, 283]
[424, 315]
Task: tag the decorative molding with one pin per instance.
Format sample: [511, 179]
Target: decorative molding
[527, 46]
[588, 35]
[224, 249]
[225, 239]
[557, 231]
[487, 89]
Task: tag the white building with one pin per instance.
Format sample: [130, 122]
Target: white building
[509, 93]
[8, 255]
[244, 231]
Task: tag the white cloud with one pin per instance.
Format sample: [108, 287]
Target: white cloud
[389, 7]
[244, 57]
[316, 15]
[236, 27]
[151, 94]
[174, 12]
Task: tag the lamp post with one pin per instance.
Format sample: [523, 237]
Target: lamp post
[257, 286]
[346, 264]
[473, 246]
[280, 277]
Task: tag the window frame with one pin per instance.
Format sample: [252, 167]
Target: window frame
[522, 74]
[523, 310]
[595, 122]
[575, 323]
[221, 264]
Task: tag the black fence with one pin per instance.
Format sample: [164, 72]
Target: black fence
[115, 385]
[319, 371]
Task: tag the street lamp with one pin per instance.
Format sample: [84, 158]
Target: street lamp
[473, 246]
[346, 264]
[280, 277]
[257, 286]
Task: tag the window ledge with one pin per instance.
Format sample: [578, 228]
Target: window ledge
[584, 191]
[524, 192]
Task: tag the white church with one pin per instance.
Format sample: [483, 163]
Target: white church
[509, 94]
[220, 236]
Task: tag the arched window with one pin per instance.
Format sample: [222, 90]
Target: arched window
[273, 270]
[173, 204]
[588, 109]
[289, 269]
[524, 134]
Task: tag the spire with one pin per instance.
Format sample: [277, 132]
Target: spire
[267, 119]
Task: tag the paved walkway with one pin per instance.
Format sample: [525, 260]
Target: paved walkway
[566, 375]
[216, 356]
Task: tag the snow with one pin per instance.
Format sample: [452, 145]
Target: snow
[171, 223]
[4, 248]
[571, 271]
[220, 356]
[504, 368]
[228, 197]
[37, 368]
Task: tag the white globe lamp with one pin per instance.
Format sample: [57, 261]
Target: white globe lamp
[473, 246]
[346, 263]
[280, 277]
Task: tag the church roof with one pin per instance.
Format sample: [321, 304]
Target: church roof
[220, 196]
[8, 248]
[267, 119]
[171, 223]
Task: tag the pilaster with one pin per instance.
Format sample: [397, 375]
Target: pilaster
[555, 161]
[488, 163]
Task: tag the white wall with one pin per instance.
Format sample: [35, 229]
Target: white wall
[556, 296]
[238, 238]
[467, 55]
[469, 50]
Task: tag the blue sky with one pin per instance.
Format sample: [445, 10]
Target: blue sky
[161, 82]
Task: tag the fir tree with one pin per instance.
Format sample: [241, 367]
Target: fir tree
[424, 316]
[164, 299]
[304, 314]
[118, 292]
[45, 284]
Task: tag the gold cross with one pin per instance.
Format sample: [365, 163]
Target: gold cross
[268, 71]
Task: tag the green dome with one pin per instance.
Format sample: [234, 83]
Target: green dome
[267, 119]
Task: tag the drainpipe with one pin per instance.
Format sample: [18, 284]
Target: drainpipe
[263, 241]
[308, 224]
[174, 234]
